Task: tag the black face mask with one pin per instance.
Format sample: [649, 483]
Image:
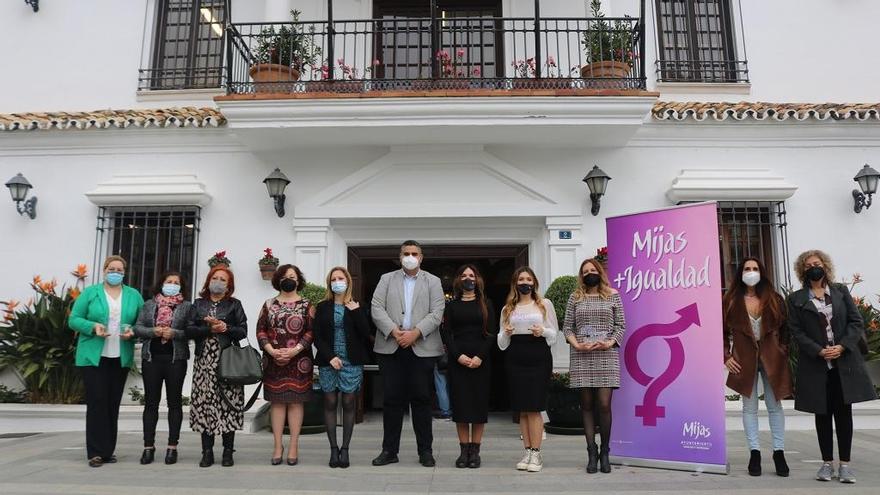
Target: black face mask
[288, 285]
[592, 280]
[524, 288]
[815, 273]
[468, 284]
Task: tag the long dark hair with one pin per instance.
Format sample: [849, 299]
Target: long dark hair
[734, 305]
[479, 292]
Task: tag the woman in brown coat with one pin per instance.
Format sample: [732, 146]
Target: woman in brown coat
[756, 345]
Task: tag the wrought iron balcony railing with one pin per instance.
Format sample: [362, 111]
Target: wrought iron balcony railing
[431, 53]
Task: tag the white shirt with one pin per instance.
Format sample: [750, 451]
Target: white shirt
[409, 288]
[114, 323]
[523, 317]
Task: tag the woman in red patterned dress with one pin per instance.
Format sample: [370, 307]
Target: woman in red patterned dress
[284, 331]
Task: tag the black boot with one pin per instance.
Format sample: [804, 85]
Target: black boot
[755, 463]
[207, 450]
[781, 465]
[228, 444]
[334, 457]
[604, 463]
[148, 455]
[474, 460]
[592, 458]
[462, 460]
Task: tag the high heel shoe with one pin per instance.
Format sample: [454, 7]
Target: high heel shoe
[277, 460]
[343, 457]
[334, 457]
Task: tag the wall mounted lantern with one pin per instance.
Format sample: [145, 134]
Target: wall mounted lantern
[867, 179]
[597, 181]
[276, 182]
[18, 188]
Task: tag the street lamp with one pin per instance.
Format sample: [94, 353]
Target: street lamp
[597, 181]
[18, 188]
[276, 182]
[867, 179]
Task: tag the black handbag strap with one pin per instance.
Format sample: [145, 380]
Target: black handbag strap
[250, 402]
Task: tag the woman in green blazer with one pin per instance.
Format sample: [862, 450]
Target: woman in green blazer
[103, 316]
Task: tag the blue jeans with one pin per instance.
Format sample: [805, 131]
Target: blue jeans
[442, 392]
[774, 410]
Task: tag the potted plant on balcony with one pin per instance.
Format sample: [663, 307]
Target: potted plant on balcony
[281, 56]
[608, 47]
[268, 264]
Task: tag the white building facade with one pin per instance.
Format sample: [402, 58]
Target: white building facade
[483, 167]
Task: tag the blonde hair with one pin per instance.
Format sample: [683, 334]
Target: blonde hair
[112, 258]
[329, 294]
[580, 293]
[514, 295]
[800, 265]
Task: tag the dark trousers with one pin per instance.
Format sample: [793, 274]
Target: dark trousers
[406, 380]
[156, 372]
[104, 386]
[842, 415]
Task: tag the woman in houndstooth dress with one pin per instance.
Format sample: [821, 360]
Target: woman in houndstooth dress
[594, 326]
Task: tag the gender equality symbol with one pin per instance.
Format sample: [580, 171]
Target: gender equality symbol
[649, 410]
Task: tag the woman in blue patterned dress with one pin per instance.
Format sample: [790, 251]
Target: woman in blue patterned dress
[341, 337]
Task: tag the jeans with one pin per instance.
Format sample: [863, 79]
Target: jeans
[774, 410]
[442, 392]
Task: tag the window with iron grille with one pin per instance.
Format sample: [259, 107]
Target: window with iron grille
[468, 36]
[754, 228]
[152, 240]
[697, 42]
[188, 45]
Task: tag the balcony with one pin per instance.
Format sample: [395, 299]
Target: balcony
[420, 75]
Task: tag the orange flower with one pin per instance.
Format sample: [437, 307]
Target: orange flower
[873, 325]
[37, 280]
[10, 310]
[81, 271]
[49, 287]
[73, 292]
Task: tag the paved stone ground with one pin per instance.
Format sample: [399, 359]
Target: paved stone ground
[54, 462]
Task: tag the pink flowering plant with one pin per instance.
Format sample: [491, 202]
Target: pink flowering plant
[528, 67]
[345, 72]
[457, 66]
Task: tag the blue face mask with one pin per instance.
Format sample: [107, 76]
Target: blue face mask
[114, 278]
[170, 290]
[338, 287]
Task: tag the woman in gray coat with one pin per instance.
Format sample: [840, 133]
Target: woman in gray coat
[831, 374]
[164, 354]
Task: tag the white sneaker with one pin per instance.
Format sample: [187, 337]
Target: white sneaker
[523, 464]
[537, 462]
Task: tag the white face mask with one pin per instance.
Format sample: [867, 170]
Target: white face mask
[410, 262]
[751, 278]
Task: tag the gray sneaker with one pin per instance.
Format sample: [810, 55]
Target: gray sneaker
[826, 472]
[846, 474]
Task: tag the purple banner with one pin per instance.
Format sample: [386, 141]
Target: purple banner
[670, 405]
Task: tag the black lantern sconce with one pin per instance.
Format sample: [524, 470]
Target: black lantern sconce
[867, 179]
[33, 3]
[597, 181]
[18, 188]
[276, 182]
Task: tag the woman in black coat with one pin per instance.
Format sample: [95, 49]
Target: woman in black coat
[341, 335]
[831, 374]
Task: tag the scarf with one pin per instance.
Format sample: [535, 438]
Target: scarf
[165, 309]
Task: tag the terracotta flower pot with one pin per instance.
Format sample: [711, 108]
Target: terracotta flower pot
[273, 78]
[607, 69]
[267, 271]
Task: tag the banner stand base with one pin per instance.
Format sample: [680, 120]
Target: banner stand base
[695, 467]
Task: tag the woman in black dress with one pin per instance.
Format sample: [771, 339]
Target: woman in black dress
[468, 334]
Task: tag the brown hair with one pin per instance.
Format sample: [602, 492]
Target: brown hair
[230, 287]
[580, 293]
[157, 287]
[479, 292]
[328, 296]
[733, 303]
[112, 258]
[281, 271]
[513, 295]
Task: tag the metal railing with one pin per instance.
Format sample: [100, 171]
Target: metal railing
[422, 53]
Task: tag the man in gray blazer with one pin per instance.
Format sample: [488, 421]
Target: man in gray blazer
[407, 309]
